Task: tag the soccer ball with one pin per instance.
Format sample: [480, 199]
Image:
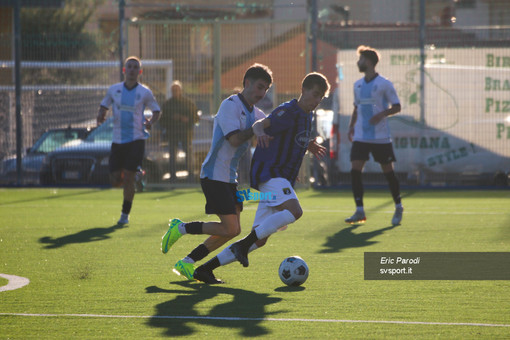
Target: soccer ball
[293, 271]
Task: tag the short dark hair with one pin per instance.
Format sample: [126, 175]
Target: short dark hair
[370, 53]
[135, 59]
[258, 71]
[316, 78]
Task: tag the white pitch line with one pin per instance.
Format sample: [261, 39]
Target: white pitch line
[398, 322]
[415, 212]
[15, 282]
[412, 212]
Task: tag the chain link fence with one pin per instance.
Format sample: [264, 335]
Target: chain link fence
[454, 130]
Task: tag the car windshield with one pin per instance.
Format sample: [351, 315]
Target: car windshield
[51, 140]
[103, 133]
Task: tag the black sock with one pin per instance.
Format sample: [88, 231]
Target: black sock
[249, 240]
[199, 253]
[194, 227]
[210, 265]
[394, 186]
[126, 207]
[357, 187]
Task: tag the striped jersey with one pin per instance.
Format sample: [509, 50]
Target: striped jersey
[128, 106]
[222, 161]
[370, 98]
[291, 131]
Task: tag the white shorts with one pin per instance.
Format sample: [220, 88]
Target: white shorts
[281, 191]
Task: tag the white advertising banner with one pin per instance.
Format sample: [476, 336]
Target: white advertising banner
[465, 128]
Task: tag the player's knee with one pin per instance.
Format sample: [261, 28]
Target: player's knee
[389, 174]
[116, 181]
[232, 231]
[235, 233]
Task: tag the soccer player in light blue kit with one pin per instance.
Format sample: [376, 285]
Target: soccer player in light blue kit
[128, 99]
[232, 132]
[375, 99]
[274, 168]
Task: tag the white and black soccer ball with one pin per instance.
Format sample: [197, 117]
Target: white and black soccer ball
[293, 271]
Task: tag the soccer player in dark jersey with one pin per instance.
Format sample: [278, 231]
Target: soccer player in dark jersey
[274, 169]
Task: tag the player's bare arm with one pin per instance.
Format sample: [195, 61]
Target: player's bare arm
[258, 129]
[154, 119]
[394, 109]
[354, 117]
[242, 136]
[101, 115]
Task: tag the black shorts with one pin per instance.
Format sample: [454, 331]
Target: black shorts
[220, 197]
[127, 156]
[382, 153]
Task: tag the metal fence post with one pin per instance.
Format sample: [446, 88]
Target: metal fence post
[217, 66]
[422, 61]
[122, 6]
[17, 75]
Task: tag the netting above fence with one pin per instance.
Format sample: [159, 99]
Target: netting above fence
[48, 104]
[458, 128]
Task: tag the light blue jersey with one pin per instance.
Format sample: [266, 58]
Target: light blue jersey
[371, 98]
[221, 163]
[128, 106]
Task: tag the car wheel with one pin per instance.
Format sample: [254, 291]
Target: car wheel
[501, 179]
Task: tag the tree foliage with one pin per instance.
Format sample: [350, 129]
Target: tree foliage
[58, 34]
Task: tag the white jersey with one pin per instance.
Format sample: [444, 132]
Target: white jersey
[222, 161]
[371, 98]
[128, 107]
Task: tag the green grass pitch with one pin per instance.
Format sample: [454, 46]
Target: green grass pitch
[90, 279]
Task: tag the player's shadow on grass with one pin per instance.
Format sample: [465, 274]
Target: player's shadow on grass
[51, 197]
[84, 236]
[243, 310]
[172, 193]
[347, 238]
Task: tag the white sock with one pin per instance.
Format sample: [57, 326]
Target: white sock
[226, 256]
[182, 228]
[188, 259]
[272, 223]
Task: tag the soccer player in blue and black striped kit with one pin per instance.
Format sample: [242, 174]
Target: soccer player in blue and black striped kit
[283, 139]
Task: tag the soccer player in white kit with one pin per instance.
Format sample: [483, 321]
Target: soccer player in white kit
[128, 100]
[232, 132]
[375, 99]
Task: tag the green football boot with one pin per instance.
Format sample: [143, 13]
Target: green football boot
[171, 236]
[184, 269]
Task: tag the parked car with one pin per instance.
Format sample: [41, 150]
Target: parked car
[86, 162]
[323, 171]
[33, 158]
